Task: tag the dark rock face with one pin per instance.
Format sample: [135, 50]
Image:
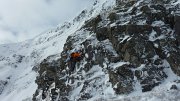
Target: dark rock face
[123, 79]
[142, 37]
[93, 23]
[153, 77]
[177, 24]
[2, 85]
[174, 59]
[177, 30]
[138, 48]
[113, 17]
[47, 76]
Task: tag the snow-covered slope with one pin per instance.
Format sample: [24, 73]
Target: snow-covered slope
[109, 71]
[18, 61]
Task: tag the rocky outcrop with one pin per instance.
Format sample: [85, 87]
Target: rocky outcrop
[47, 76]
[2, 85]
[133, 43]
[122, 78]
[145, 43]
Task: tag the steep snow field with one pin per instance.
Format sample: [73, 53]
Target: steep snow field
[18, 60]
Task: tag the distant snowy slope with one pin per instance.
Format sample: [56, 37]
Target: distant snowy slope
[18, 60]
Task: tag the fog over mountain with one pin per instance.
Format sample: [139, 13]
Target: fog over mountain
[24, 19]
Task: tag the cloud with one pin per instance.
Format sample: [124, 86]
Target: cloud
[24, 19]
[7, 37]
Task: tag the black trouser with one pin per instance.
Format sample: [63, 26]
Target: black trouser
[73, 65]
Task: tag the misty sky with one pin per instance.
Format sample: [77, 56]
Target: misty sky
[24, 19]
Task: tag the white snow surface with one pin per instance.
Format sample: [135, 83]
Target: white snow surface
[17, 61]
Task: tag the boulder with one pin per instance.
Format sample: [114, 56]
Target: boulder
[173, 60]
[122, 79]
[173, 87]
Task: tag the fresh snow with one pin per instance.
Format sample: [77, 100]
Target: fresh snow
[17, 61]
[18, 73]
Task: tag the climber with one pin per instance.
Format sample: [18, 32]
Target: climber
[74, 58]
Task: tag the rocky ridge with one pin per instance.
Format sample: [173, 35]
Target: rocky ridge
[132, 44]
